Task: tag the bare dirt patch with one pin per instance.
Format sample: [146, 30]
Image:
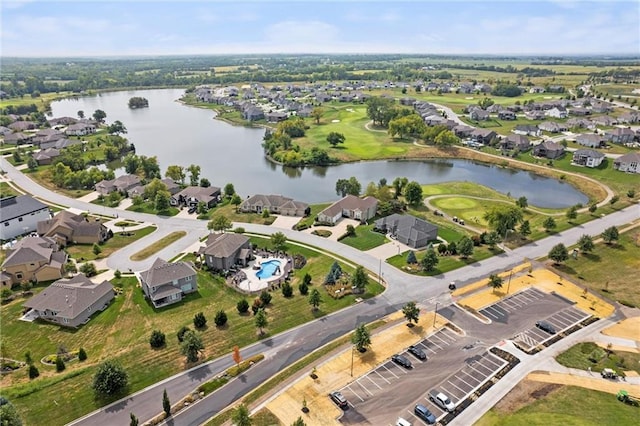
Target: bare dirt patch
[525, 393]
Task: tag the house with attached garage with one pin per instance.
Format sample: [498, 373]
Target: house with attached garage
[548, 149]
[122, 184]
[505, 114]
[519, 142]
[222, 251]
[587, 158]
[483, 136]
[591, 140]
[276, 204]
[20, 215]
[620, 135]
[552, 127]
[629, 163]
[350, 206]
[80, 129]
[526, 130]
[66, 227]
[46, 156]
[407, 229]
[478, 114]
[192, 195]
[557, 112]
[17, 138]
[165, 283]
[34, 259]
[71, 302]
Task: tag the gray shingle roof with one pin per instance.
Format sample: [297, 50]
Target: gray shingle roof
[223, 245]
[349, 202]
[30, 249]
[163, 272]
[17, 206]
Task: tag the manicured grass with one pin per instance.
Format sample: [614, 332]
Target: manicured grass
[446, 263]
[85, 251]
[567, 406]
[229, 211]
[315, 209]
[6, 190]
[41, 102]
[158, 245]
[103, 337]
[462, 188]
[264, 417]
[583, 355]
[148, 207]
[365, 239]
[594, 269]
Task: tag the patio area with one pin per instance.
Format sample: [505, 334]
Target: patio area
[266, 271]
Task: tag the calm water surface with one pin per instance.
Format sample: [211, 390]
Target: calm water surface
[183, 135]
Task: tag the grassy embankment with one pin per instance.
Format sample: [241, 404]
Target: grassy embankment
[158, 245]
[103, 338]
[589, 356]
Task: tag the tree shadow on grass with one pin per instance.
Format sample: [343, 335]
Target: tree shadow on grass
[592, 257]
[565, 269]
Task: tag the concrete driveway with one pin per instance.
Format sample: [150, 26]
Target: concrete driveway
[336, 231]
[285, 222]
[388, 250]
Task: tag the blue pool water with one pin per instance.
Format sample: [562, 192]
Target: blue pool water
[268, 268]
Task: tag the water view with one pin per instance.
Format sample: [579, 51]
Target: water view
[183, 135]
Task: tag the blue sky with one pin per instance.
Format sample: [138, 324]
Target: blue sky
[146, 27]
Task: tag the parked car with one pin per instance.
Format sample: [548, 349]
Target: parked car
[461, 222]
[402, 422]
[441, 400]
[417, 352]
[545, 326]
[423, 412]
[192, 209]
[455, 218]
[401, 360]
[339, 399]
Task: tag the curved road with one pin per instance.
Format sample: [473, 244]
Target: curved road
[287, 347]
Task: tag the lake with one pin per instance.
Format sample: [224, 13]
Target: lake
[184, 135]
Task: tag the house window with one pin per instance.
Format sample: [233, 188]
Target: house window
[32, 264]
[19, 219]
[175, 282]
[66, 320]
[19, 276]
[6, 224]
[189, 278]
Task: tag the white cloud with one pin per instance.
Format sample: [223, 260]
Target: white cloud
[301, 32]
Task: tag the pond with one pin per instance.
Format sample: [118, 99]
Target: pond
[184, 135]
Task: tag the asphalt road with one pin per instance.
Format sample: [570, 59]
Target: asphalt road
[289, 346]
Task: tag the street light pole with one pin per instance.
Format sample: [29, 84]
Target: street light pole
[435, 315]
[509, 284]
[352, 348]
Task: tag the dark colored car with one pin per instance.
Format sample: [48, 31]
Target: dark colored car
[339, 399]
[192, 209]
[423, 412]
[417, 352]
[401, 360]
[545, 326]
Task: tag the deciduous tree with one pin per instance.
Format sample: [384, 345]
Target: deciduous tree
[335, 138]
[411, 312]
[413, 194]
[429, 261]
[558, 253]
[610, 235]
[585, 243]
[361, 338]
[110, 378]
[549, 223]
[278, 241]
[465, 247]
[191, 346]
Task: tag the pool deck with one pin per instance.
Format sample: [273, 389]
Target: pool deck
[254, 283]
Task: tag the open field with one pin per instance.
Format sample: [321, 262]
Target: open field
[158, 245]
[554, 404]
[103, 338]
[593, 269]
[84, 252]
[583, 355]
[365, 239]
[42, 102]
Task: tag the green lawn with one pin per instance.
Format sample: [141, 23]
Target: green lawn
[103, 337]
[365, 239]
[567, 406]
[315, 209]
[83, 252]
[158, 245]
[593, 270]
[589, 356]
[446, 263]
[6, 190]
[148, 207]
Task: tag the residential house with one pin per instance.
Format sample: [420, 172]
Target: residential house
[552, 127]
[20, 215]
[192, 195]
[526, 130]
[275, 117]
[591, 140]
[407, 229]
[122, 184]
[604, 120]
[48, 137]
[46, 156]
[478, 114]
[587, 158]
[80, 129]
[557, 112]
[66, 227]
[62, 121]
[172, 187]
[629, 163]
[350, 206]
[580, 111]
[518, 142]
[483, 136]
[463, 131]
[4, 130]
[534, 114]
[620, 135]
[165, 283]
[630, 117]
[536, 89]
[581, 123]
[548, 149]
[407, 101]
[222, 251]
[34, 259]
[276, 204]
[21, 126]
[71, 302]
[253, 113]
[323, 97]
[505, 114]
[17, 138]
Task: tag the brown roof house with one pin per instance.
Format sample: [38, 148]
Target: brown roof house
[350, 206]
[46, 156]
[519, 142]
[629, 163]
[122, 184]
[165, 283]
[192, 195]
[34, 259]
[548, 149]
[67, 227]
[71, 302]
[275, 204]
[222, 251]
[80, 129]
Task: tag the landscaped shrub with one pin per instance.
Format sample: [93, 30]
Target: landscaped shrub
[304, 288]
[265, 297]
[182, 332]
[287, 290]
[33, 372]
[221, 317]
[60, 366]
[199, 320]
[82, 354]
[257, 305]
[242, 306]
[157, 339]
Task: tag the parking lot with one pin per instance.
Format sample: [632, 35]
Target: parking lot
[561, 321]
[460, 385]
[500, 311]
[380, 379]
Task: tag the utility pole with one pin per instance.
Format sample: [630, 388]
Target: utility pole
[435, 315]
[352, 348]
[509, 284]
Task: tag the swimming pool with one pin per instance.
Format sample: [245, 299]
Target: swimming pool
[268, 268]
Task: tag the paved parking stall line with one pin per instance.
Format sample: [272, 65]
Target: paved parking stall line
[369, 378]
[364, 388]
[381, 376]
[442, 340]
[434, 343]
[473, 377]
[427, 347]
[479, 365]
[448, 392]
[449, 334]
[355, 393]
[486, 312]
[385, 367]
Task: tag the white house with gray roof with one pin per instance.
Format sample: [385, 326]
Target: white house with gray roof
[587, 158]
[71, 302]
[629, 163]
[20, 215]
[407, 229]
[276, 204]
[165, 283]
